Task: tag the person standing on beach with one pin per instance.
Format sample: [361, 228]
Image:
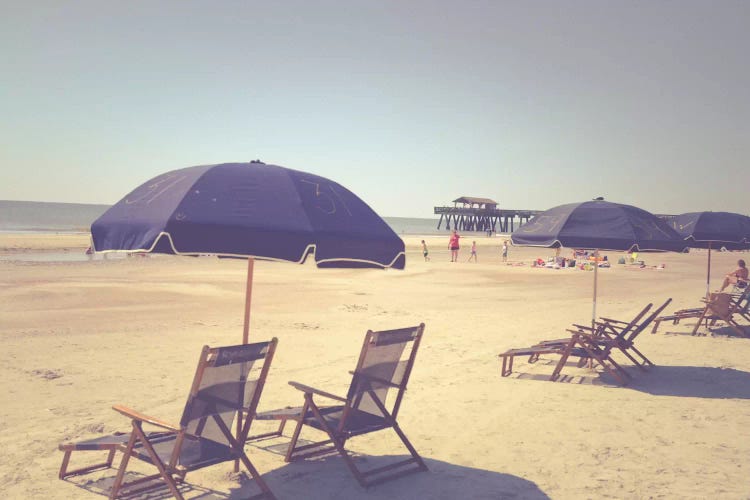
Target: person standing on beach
[424, 251]
[473, 251]
[454, 245]
[505, 251]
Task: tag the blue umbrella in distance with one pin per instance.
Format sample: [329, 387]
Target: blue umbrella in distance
[249, 210]
[713, 230]
[599, 225]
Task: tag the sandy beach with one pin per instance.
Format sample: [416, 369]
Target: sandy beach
[80, 336]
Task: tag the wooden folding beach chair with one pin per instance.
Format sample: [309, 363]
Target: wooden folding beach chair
[623, 327]
[372, 404]
[723, 307]
[582, 344]
[595, 343]
[739, 297]
[228, 380]
[620, 335]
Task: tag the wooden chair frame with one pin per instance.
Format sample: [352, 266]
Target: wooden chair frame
[171, 472]
[715, 311]
[338, 435]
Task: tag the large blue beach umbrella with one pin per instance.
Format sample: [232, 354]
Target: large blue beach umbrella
[599, 225]
[713, 230]
[249, 210]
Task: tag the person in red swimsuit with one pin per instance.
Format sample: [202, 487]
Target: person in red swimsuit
[454, 246]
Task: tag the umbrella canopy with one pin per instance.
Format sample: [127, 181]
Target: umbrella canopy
[598, 225]
[249, 210]
[713, 230]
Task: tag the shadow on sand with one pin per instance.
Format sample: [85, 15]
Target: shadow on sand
[693, 382]
[680, 381]
[329, 478]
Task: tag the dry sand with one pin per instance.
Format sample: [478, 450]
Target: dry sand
[79, 337]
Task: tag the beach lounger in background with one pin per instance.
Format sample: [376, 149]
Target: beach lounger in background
[371, 404]
[581, 344]
[623, 327]
[595, 343]
[622, 335]
[738, 305]
[723, 307]
[228, 380]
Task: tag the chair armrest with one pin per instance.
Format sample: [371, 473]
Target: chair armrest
[584, 328]
[135, 415]
[375, 379]
[610, 320]
[588, 336]
[311, 390]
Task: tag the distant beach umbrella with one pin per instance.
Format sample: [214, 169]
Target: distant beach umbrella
[249, 210]
[598, 225]
[713, 230]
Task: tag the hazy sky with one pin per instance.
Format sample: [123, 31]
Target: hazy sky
[408, 103]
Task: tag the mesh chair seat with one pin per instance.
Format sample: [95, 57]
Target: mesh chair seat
[357, 422]
[371, 404]
[227, 385]
[195, 453]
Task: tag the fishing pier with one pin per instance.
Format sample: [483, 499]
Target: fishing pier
[481, 214]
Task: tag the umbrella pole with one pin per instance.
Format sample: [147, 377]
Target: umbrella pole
[708, 272]
[593, 311]
[245, 338]
[248, 297]
[596, 280]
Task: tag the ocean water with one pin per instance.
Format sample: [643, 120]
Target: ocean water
[32, 216]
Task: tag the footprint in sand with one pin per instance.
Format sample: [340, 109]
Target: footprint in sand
[47, 374]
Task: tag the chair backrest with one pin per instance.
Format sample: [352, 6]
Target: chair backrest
[227, 380]
[741, 301]
[384, 367]
[642, 325]
[720, 303]
[623, 332]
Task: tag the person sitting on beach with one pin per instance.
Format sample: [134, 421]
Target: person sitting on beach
[738, 275]
[424, 251]
[454, 246]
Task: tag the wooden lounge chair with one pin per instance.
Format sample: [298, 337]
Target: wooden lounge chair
[723, 307]
[582, 344]
[384, 365]
[228, 380]
[595, 343]
[620, 335]
[623, 327]
[740, 299]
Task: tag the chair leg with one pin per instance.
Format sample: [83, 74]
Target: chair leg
[337, 443]
[563, 359]
[64, 472]
[123, 466]
[412, 450]
[657, 322]
[507, 368]
[139, 435]
[256, 476]
[296, 433]
[646, 361]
